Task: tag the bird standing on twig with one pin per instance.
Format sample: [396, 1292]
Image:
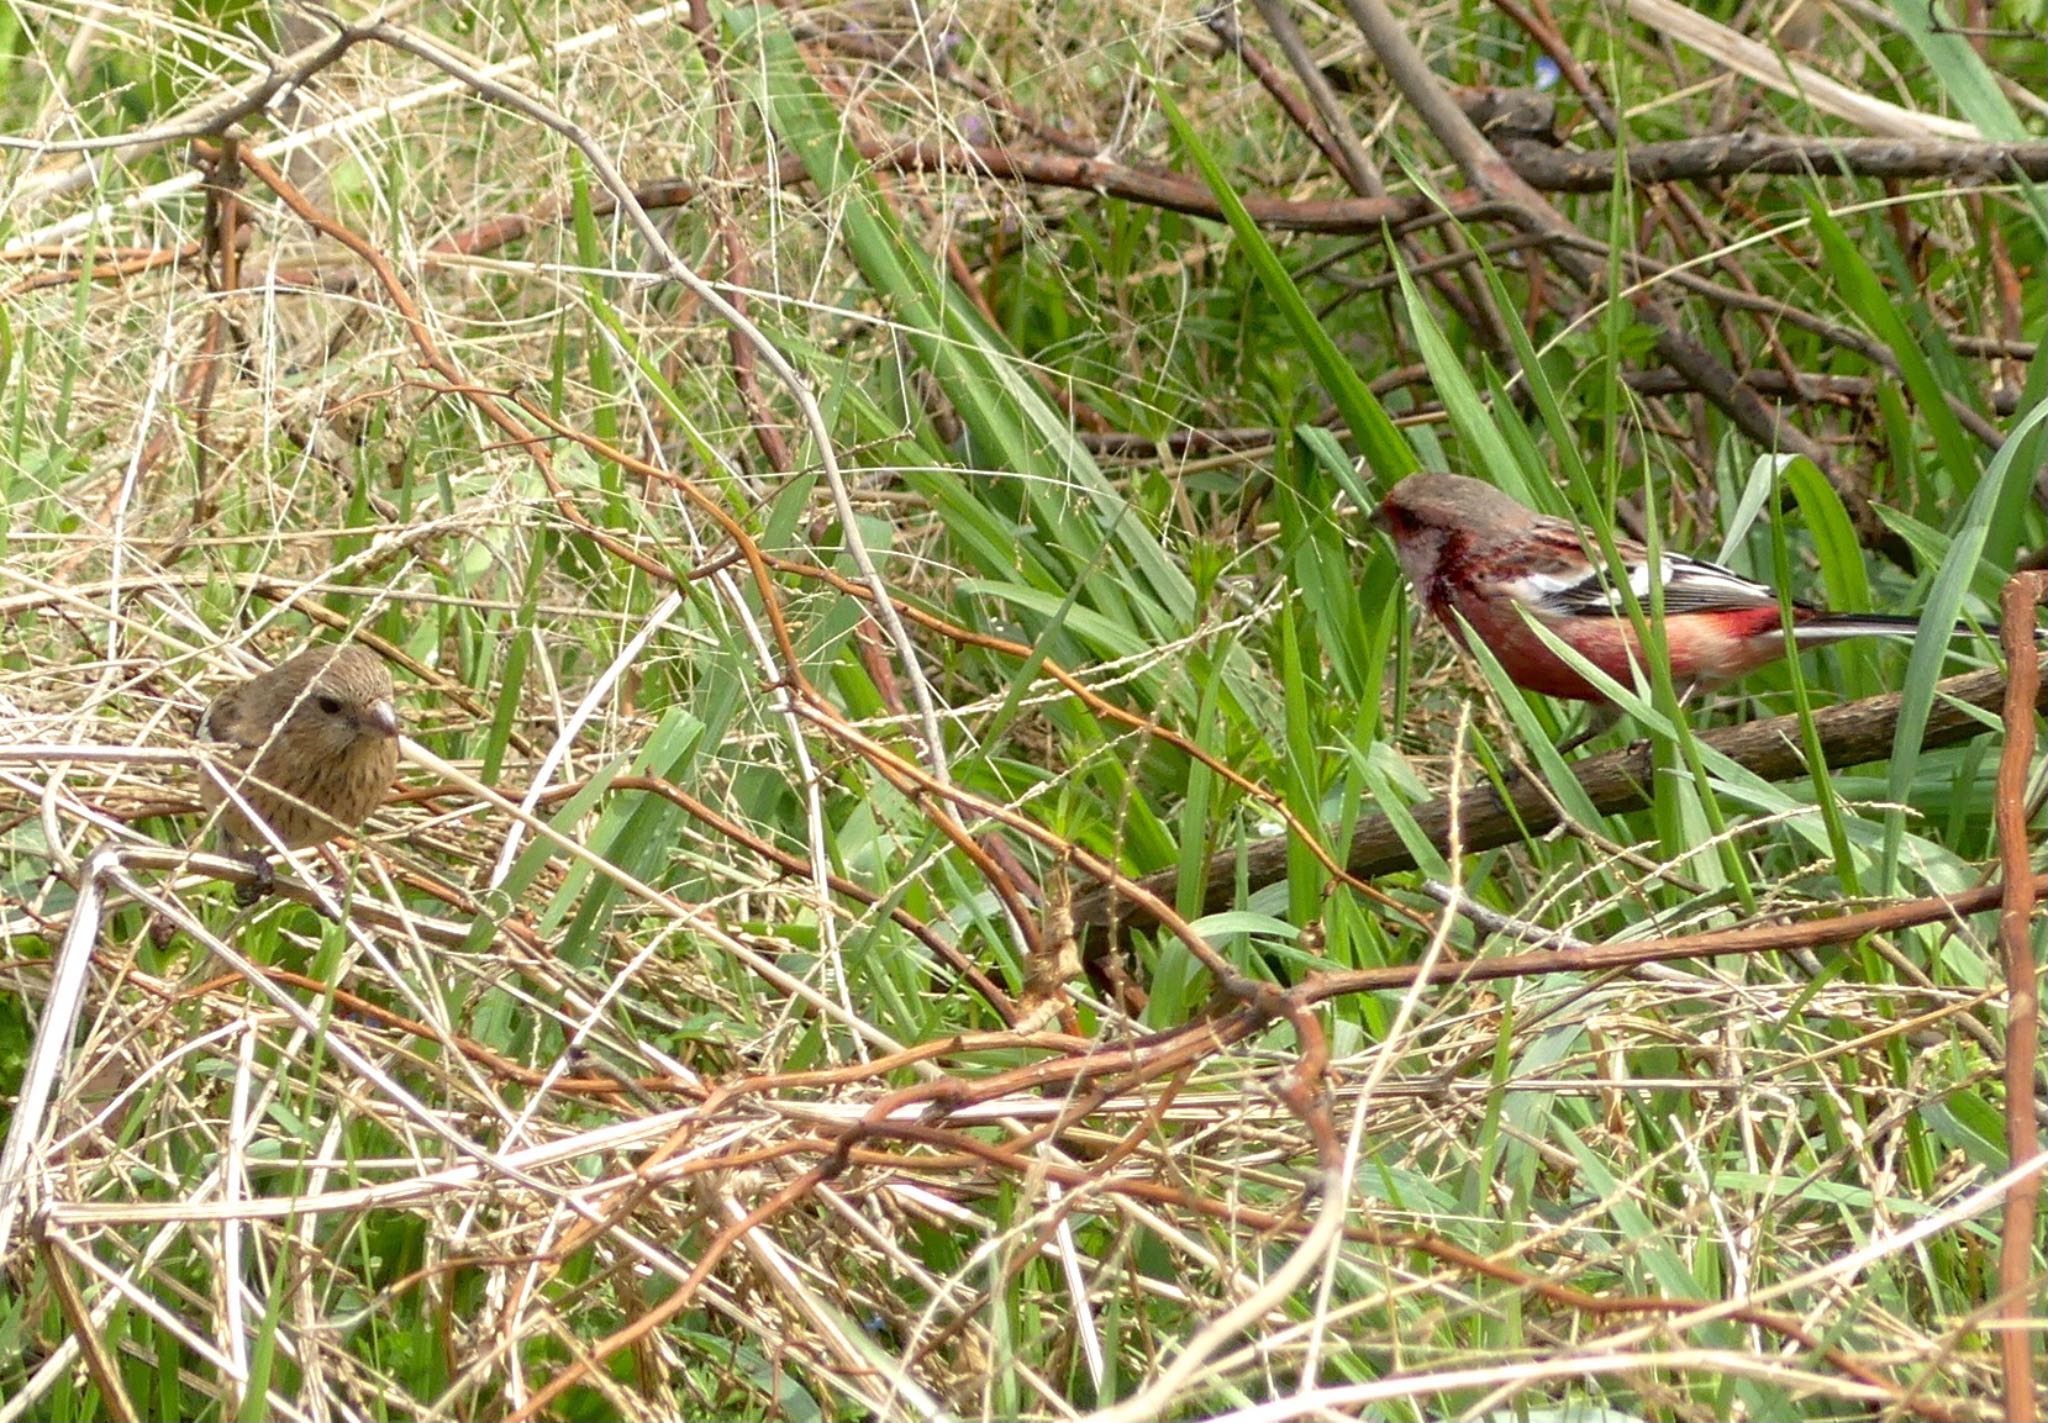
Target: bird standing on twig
[1477, 555]
[312, 747]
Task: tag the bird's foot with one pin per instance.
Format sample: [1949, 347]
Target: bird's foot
[251, 891]
[1599, 717]
[1577, 739]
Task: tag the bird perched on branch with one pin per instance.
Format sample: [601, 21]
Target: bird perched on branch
[311, 747]
[1474, 553]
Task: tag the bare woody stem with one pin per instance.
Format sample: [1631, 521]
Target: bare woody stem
[2017, 1289]
[1850, 735]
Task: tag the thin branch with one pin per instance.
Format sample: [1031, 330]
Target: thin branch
[2018, 1291]
[1634, 953]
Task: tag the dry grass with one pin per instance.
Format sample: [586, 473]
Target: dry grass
[623, 1071]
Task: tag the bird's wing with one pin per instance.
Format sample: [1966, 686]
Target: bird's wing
[223, 720]
[1559, 582]
[1691, 585]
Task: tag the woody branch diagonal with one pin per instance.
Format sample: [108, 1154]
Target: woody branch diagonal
[1848, 735]
[1497, 181]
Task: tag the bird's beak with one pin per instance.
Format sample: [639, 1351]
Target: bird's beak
[384, 717]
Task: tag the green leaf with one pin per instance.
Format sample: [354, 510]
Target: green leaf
[1878, 309]
[1944, 605]
[1386, 453]
[1009, 426]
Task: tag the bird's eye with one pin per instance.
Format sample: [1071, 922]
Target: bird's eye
[330, 705]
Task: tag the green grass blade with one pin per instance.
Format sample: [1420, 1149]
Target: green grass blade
[1385, 451]
[1944, 605]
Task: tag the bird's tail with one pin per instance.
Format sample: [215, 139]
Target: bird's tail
[1838, 627]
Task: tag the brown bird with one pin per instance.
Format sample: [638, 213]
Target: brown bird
[313, 745]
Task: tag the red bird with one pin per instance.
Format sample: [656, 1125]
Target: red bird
[1473, 552]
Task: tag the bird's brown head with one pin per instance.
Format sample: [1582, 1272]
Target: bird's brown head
[1425, 512]
[330, 700]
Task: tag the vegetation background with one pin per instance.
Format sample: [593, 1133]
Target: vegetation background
[851, 481]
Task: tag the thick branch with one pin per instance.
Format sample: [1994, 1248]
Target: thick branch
[1850, 735]
[1733, 155]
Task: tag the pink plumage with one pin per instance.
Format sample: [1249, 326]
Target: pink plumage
[1473, 554]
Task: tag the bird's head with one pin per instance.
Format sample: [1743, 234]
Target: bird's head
[1425, 513]
[343, 699]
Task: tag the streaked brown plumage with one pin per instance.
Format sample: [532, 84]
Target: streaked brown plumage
[315, 741]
